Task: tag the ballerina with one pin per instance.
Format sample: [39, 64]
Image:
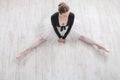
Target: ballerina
[62, 22]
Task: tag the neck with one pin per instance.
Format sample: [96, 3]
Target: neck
[64, 14]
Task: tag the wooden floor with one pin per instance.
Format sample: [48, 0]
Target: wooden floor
[22, 20]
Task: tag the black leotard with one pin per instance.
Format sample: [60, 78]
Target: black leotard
[55, 24]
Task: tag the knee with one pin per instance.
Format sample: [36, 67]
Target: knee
[43, 39]
[81, 37]
[40, 38]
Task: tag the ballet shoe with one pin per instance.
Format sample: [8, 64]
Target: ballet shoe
[102, 48]
[22, 54]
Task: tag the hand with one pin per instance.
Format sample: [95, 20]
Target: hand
[61, 40]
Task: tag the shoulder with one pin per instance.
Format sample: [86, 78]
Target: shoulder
[72, 14]
[54, 15]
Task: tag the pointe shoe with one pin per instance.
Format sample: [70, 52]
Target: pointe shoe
[102, 48]
[22, 54]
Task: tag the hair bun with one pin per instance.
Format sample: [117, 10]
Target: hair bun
[62, 4]
[63, 7]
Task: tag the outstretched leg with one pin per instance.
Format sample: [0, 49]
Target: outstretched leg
[91, 42]
[33, 45]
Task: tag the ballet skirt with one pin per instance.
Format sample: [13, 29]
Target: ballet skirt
[48, 31]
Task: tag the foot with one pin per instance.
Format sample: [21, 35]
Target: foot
[102, 48]
[21, 54]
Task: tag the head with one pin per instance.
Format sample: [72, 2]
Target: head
[63, 8]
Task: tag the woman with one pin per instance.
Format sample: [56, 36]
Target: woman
[62, 22]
